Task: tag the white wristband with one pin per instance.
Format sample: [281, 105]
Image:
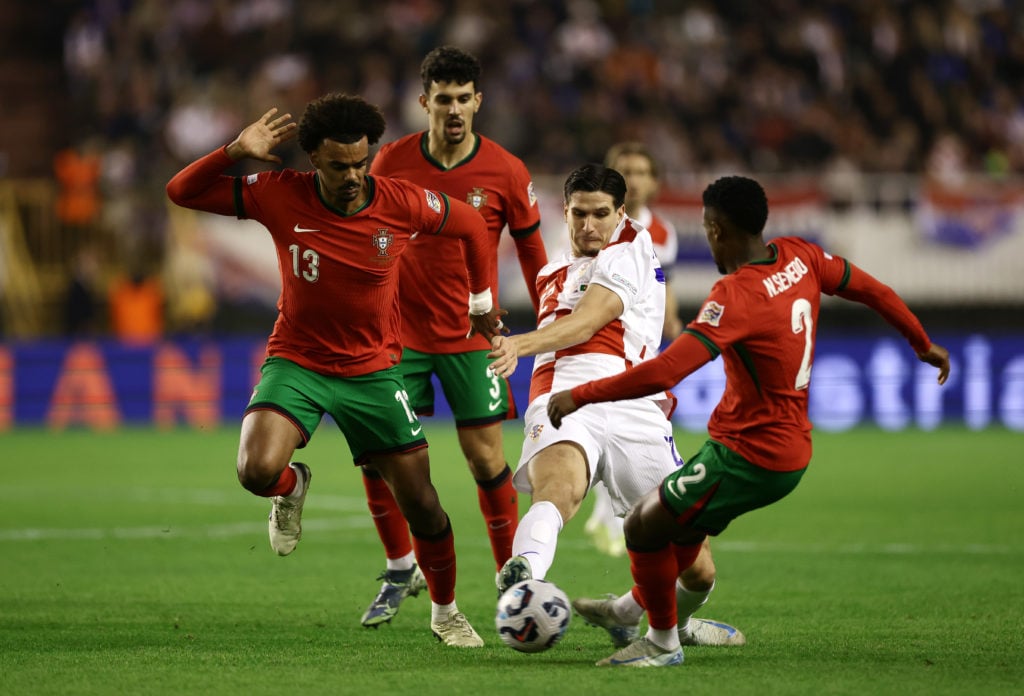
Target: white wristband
[480, 302]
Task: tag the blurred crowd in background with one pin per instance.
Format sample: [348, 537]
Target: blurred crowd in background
[925, 87]
[760, 85]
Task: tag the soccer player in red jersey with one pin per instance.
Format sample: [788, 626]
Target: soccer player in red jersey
[761, 318]
[340, 235]
[451, 157]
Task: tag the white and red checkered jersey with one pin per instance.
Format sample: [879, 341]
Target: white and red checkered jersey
[629, 267]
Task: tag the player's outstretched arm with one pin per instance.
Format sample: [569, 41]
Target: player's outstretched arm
[202, 184]
[937, 356]
[260, 137]
[594, 311]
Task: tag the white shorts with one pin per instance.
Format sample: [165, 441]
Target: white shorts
[628, 446]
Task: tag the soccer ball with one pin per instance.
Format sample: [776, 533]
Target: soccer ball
[532, 615]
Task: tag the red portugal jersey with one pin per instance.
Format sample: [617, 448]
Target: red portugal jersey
[338, 309]
[434, 290]
[762, 320]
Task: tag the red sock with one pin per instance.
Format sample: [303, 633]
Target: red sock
[655, 575]
[686, 555]
[436, 556]
[392, 528]
[499, 503]
[284, 484]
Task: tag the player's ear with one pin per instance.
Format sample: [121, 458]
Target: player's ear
[477, 100]
[423, 101]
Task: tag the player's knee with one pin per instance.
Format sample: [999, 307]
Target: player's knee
[256, 473]
[420, 507]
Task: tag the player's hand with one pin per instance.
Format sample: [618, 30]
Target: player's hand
[505, 355]
[489, 324]
[559, 406]
[259, 138]
[937, 356]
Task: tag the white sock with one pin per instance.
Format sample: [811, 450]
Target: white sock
[688, 602]
[537, 537]
[627, 610]
[440, 612]
[406, 562]
[664, 638]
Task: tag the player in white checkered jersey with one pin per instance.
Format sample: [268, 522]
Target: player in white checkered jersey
[602, 306]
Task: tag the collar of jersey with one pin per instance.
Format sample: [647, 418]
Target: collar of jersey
[370, 190]
[425, 149]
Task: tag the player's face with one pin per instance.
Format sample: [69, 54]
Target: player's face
[713, 230]
[450, 110]
[640, 182]
[592, 218]
[342, 171]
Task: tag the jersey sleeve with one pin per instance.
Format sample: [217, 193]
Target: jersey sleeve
[202, 185]
[684, 356]
[862, 287]
[724, 317]
[523, 214]
[625, 270]
[833, 271]
[842, 278]
[462, 221]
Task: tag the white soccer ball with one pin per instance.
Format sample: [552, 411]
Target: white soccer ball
[532, 615]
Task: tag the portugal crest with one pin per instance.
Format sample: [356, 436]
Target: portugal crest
[382, 241]
[477, 198]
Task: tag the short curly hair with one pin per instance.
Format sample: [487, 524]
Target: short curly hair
[450, 64]
[340, 117]
[740, 199]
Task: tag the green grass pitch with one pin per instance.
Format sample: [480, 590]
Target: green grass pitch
[133, 563]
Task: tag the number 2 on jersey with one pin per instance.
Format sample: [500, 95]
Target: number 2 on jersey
[803, 321]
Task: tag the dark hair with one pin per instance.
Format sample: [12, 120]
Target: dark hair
[631, 148]
[339, 117]
[450, 64]
[596, 177]
[740, 199]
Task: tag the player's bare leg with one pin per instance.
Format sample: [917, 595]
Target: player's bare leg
[265, 447]
[558, 477]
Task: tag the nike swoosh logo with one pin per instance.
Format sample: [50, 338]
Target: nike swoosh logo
[493, 406]
[304, 229]
[416, 431]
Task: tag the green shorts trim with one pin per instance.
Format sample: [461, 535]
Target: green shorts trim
[372, 411]
[476, 395]
[716, 486]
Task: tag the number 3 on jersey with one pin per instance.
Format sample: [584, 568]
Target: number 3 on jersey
[804, 322]
[305, 263]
